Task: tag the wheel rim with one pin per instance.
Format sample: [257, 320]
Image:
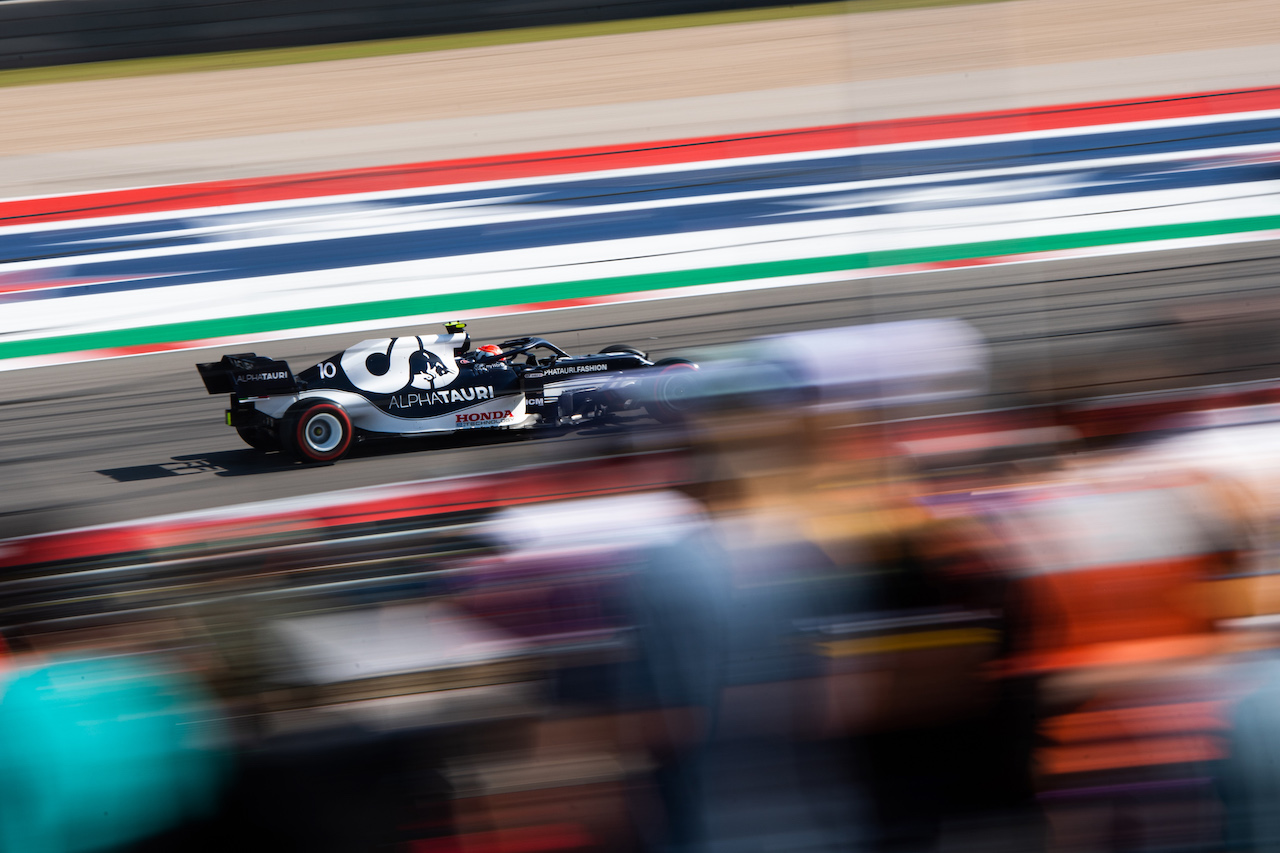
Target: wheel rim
[323, 432]
[677, 390]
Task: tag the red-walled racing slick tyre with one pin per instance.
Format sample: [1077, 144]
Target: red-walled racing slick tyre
[321, 432]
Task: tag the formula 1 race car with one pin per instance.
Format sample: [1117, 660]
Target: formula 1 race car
[437, 384]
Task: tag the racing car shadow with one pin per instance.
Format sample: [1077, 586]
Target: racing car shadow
[249, 462]
[223, 463]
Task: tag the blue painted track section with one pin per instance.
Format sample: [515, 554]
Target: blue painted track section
[434, 223]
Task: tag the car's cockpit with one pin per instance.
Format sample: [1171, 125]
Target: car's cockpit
[537, 352]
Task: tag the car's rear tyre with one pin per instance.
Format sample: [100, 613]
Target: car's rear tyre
[258, 438]
[673, 393]
[625, 348]
[320, 432]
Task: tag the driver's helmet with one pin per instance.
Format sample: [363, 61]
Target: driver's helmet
[491, 351]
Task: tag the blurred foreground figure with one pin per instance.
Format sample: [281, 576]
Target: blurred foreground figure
[660, 692]
[847, 678]
[98, 752]
[1235, 454]
[711, 694]
[1124, 573]
[903, 611]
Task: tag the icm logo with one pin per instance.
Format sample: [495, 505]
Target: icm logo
[387, 365]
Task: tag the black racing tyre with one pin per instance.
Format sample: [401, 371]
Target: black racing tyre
[320, 432]
[625, 348]
[673, 392]
[259, 438]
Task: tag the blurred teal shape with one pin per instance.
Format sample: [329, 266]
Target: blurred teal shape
[100, 752]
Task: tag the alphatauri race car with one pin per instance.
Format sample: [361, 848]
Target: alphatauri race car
[438, 384]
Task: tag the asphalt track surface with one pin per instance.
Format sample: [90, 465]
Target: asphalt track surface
[128, 438]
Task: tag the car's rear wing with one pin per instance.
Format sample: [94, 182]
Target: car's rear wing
[249, 375]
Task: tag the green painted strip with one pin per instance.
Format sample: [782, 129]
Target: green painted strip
[458, 303]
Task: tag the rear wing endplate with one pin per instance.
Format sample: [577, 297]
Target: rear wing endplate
[249, 375]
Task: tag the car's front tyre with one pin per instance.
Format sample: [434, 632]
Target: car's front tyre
[673, 392]
[320, 432]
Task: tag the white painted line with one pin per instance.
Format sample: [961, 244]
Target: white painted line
[777, 240]
[429, 318]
